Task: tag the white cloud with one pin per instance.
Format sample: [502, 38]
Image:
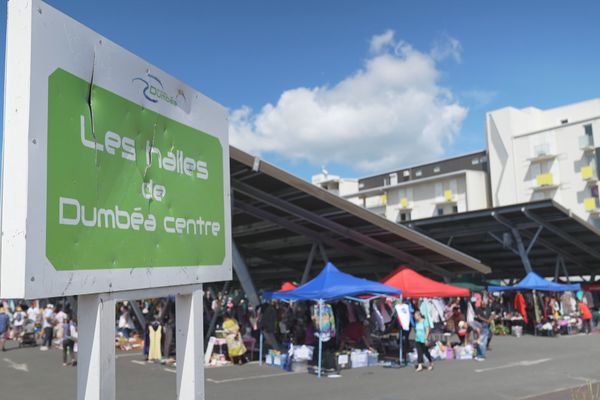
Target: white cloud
[380, 42]
[447, 47]
[387, 114]
[480, 98]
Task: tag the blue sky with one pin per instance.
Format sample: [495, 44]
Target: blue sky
[477, 56]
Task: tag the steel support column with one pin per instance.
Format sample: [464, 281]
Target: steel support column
[309, 263]
[557, 268]
[213, 319]
[139, 315]
[519, 241]
[241, 270]
[323, 253]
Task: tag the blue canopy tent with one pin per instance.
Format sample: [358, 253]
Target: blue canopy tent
[332, 284]
[535, 282]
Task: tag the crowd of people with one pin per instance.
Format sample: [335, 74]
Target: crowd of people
[426, 327]
[434, 324]
[28, 324]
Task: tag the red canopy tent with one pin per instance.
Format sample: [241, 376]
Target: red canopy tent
[287, 286]
[415, 285]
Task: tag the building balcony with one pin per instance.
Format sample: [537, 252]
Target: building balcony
[404, 204]
[542, 152]
[545, 182]
[449, 198]
[376, 201]
[588, 174]
[586, 143]
[592, 205]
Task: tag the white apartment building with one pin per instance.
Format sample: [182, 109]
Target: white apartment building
[546, 154]
[335, 184]
[449, 186]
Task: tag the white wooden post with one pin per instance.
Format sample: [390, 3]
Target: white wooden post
[96, 348]
[190, 345]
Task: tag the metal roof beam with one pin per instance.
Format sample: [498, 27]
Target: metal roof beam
[561, 234]
[304, 231]
[558, 250]
[337, 228]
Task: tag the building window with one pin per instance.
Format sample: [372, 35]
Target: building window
[564, 121]
[475, 161]
[483, 159]
[418, 173]
[386, 181]
[588, 130]
[404, 217]
[436, 170]
[406, 173]
[361, 185]
[454, 209]
[440, 212]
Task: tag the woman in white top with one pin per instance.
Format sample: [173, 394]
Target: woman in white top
[19, 318]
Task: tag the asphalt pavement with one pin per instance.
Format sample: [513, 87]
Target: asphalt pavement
[516, 368]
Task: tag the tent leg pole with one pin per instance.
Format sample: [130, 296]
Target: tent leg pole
[400, 344]
[320, 336]
[260, 349]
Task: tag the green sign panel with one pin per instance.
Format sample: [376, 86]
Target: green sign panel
[126, 186]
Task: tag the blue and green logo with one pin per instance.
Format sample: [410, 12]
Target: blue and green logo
[154, 90]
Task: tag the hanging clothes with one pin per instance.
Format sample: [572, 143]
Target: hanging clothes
[424, 309]
[168, 338]
[438, 306]
[324, 321]
[567, 303]
[403, 312]
[350, 312]
[378, 318]
[521, 306]
[470, 313]
[384, 313]
[155, 335]
[588, 299]
[536, 307]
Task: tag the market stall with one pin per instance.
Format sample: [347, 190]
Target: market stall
[332, 284]
[543, 321]
[417, 286]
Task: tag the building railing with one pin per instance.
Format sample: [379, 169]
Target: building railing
[404, 203]
[586, 142]
[448, 195]
[588, 173]
[545, 180]
[591, 204]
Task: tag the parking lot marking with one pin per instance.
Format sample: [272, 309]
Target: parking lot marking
[248, 378]
[515, 364]
[19, 367]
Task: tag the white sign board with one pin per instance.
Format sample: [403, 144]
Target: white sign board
[115, 174]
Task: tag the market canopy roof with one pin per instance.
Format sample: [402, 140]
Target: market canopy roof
[277, 219]
[533, 281]
[415, 285]
[332, 284]
[287, 286]
[551, 236]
